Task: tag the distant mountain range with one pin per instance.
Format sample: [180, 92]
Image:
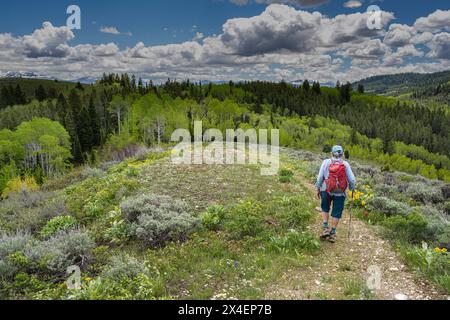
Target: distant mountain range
[34, 75]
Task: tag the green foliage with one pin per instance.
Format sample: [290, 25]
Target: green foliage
[17, 185]
[93, 198]
[413, 228]
[434, 265]
[29, 211]
[425, 194]
[57, 224]
[292, 212]
[295, 241]
[447, 207]
[213, 217]
[60, 251]
[157, 220]
[246, 219]
[285, 175]
[388, 206]
[119, 230]
[142, 287]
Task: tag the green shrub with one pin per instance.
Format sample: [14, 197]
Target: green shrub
[413, 228]
[385, 190]
[11, 243]
[24, 286]
[28, 211]
[423, 193]
[11, 246]
[18, 185]
[388, 206]
[294, 241]
[292, 212]
[116, 229]
[142, 287]
[123, 266]
[213, 217]
[124, 278]
[158, 219]
[245, 219]
[285, 175]
[57, 224]
[119, 232]
[434, 265]
[447, 207]
[62, 250]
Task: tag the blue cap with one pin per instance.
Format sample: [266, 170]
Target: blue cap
[337, 150]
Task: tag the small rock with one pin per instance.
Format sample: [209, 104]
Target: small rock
[401, 296]
[393, 269]
[318, 282]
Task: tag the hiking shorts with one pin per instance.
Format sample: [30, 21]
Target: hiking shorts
[338, 204]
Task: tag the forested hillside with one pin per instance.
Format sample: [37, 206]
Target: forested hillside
[119, 113]
[434, 87]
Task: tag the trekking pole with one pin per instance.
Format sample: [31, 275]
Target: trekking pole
[351, 216]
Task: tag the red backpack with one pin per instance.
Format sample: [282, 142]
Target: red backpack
[337, 180]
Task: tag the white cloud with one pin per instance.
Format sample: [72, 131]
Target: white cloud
[370, 50]
[408, 51]
[399, 35]
[198, 36]
[49, 41]
[280, 43]
[436, 21]
[440, 46]
[353, 4]
[114, 31]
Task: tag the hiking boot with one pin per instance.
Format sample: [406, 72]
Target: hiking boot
[326, 234]
[332, 238]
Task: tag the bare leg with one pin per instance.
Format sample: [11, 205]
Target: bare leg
[326, 217]
[334, 222]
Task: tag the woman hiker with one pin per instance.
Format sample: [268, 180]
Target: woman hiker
[335, 176]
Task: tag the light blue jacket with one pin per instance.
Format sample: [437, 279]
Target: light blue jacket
[324, 174]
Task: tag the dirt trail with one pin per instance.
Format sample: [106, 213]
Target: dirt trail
[339, 271]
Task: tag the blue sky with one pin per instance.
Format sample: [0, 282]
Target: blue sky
[167, 22]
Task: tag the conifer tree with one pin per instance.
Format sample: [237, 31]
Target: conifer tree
[94, 122]
[40, 93]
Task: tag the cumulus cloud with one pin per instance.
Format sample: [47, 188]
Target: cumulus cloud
[399, 35]
[370, 50]
[49, 41]
[436, 21]
[440, 46]
[280, 43]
